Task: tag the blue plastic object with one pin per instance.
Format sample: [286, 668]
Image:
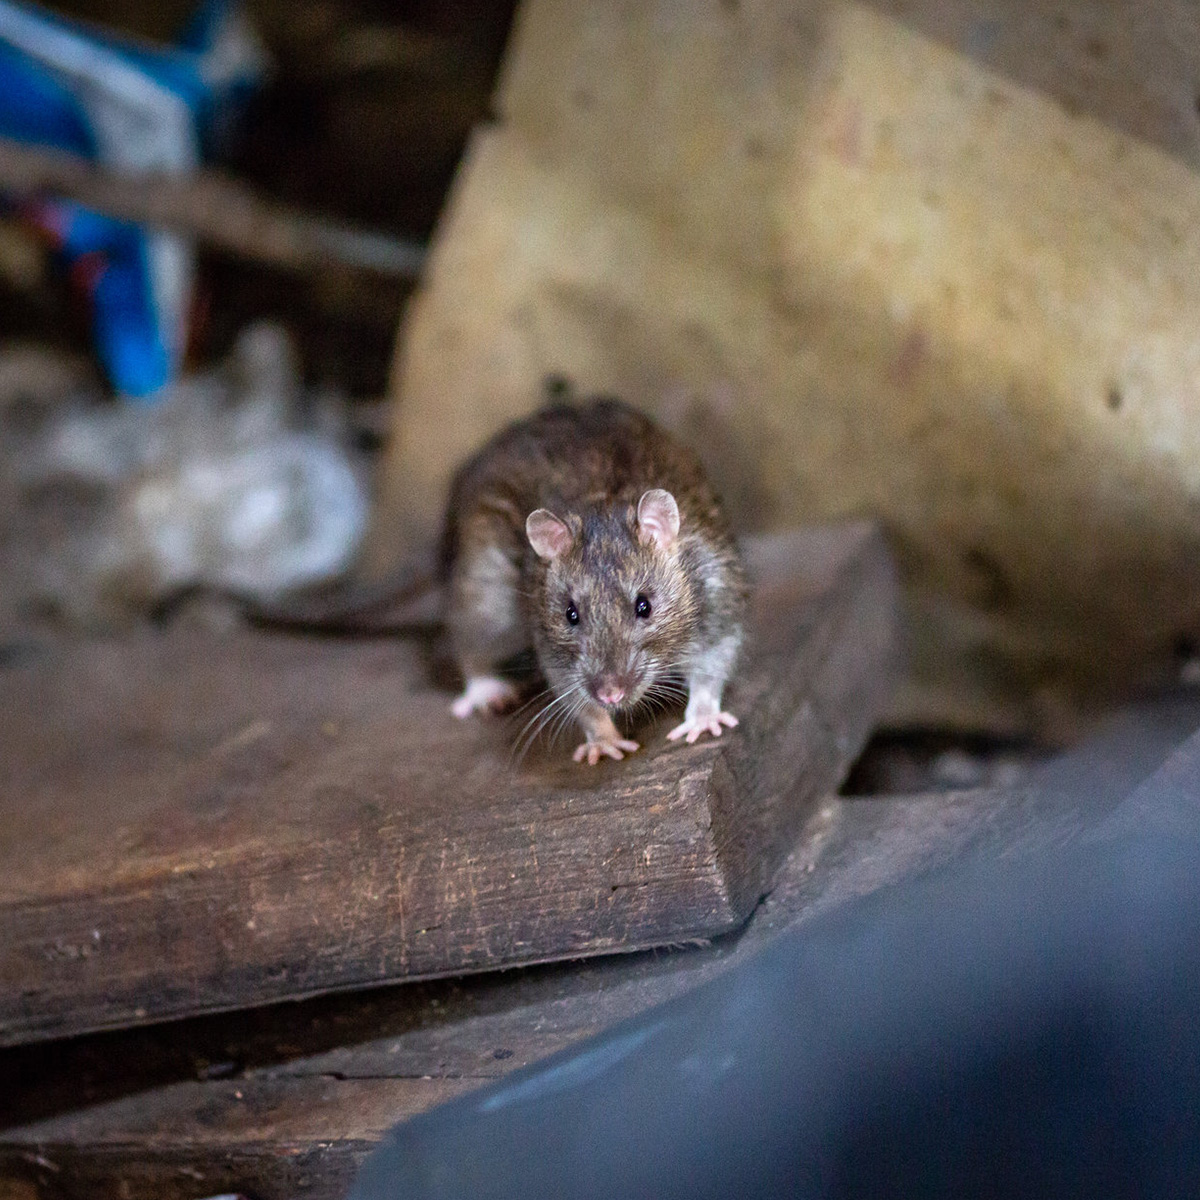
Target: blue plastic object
[138, 108]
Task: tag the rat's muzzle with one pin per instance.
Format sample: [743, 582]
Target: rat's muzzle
[611, 689]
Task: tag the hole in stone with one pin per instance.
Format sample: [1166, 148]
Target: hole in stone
[1113, 398]
[557, 387]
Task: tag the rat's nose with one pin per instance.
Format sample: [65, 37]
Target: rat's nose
[609, 691]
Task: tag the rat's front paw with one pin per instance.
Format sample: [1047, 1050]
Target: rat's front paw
[616, 747]
[485, 693]
[694, 726]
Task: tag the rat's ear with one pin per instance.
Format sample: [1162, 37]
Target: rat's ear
[548, 536]
[658, 518]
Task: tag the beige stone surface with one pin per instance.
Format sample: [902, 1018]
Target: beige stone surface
[863, 272]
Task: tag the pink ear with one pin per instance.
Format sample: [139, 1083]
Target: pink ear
[658, 518]
[548, 536]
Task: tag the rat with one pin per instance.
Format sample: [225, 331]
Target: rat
[589, 535]
[592, 535]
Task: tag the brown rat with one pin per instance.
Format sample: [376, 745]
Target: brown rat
[590, 536]
[593, 536]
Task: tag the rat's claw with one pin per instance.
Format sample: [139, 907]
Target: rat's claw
[695, 726]
[616, 748]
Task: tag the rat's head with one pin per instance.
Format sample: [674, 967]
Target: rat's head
[614, 612]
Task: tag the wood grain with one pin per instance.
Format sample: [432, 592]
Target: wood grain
[196, 824]
[306, 1089]
[299, 1128]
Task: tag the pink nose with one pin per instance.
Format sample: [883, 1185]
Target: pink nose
[608, 692]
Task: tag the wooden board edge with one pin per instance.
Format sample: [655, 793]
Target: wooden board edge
[846, 671]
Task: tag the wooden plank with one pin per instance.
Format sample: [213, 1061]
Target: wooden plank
[311, 1086]
[298, 1128]
[232, 822]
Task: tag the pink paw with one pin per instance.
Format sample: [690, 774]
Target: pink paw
[485, 693]
[708, 723]
[612, 747]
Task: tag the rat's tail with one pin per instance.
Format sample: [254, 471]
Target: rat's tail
[411, 595]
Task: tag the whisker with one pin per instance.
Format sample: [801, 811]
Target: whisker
[567, 715]
[657, 699]
[532, 700]
[560, 720]
[538, 721]
[664, 693]
[667, 689]
[529, 731]
[549, 715]
[664, 690]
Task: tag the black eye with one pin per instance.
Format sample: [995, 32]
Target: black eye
[572, 614]
[641, 606]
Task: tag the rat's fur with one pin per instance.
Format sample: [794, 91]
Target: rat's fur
[571, 481]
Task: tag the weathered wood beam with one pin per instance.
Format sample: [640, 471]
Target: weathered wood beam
[260, 818]
[308, 1089]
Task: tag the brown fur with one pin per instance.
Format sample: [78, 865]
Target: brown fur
[589, 466]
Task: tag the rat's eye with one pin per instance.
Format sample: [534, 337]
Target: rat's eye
[572, 614]
[641, 606]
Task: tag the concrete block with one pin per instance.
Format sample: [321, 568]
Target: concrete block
[862, 273]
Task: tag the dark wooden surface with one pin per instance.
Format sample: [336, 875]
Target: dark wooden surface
[284, 1102]
[194, 824]
[298, 1126]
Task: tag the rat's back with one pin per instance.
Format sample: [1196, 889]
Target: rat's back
[575, 458]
